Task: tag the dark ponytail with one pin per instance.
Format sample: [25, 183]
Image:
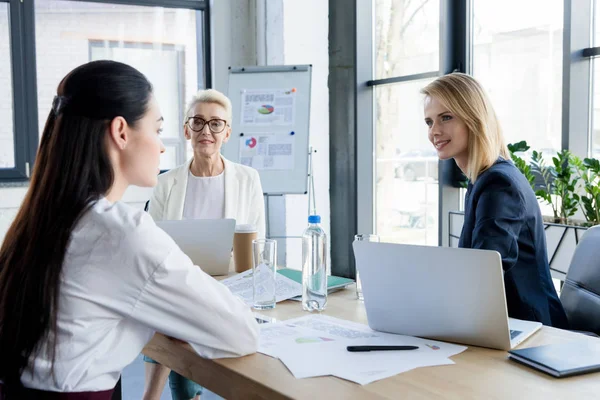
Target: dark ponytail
[71, 171]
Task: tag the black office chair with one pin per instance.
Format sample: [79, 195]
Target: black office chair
[118, 393]
[580, 295]
[162, 171]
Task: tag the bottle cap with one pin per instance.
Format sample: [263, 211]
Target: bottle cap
[314, 219]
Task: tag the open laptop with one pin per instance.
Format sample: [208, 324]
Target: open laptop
[448, 294]
[207, 242]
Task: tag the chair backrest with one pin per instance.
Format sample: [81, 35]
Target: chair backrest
[580, 295]
[162, 171]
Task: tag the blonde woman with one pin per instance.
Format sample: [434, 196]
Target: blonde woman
[206, 187]
[501, 210]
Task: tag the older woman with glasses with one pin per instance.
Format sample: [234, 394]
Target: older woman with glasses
[206, 187]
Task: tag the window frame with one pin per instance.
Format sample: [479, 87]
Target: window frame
[24, 107]
[24, 74]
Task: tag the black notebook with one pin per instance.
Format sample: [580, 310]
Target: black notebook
[561, 360]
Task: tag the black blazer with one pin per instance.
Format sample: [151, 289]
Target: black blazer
[502, 214]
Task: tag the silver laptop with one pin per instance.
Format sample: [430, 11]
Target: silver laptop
[448, 294]
[207, 242]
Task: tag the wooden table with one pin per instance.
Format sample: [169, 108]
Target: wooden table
[478, 373]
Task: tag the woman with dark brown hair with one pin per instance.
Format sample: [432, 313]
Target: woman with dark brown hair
[86, 280]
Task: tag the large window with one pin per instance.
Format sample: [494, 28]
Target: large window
[162, 64]
[160, 42]
[406, 37]
[517, 56]
[7, 148]
[164, 39]
[406, 167]
[406, 164]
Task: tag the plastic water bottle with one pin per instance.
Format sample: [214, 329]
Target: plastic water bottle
[314, 266]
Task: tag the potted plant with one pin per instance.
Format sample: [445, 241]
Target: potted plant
[558, 184]
[589, 200]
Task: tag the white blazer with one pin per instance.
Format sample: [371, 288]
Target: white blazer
[123, 278]
[244, 199]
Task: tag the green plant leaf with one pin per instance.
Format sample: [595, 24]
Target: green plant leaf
[518, 147]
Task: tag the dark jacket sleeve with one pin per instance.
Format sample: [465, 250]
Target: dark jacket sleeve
[499, 218]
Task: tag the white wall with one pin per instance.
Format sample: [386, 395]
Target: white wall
[305, 35]
[270, 32]
[233, 37]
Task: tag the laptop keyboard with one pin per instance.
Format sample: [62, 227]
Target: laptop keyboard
[514, 334]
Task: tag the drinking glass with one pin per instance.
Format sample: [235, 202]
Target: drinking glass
[264, 270]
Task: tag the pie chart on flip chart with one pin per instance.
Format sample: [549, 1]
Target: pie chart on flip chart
[251, 142]
[266, 109]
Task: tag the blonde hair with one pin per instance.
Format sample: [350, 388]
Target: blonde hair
[466, 99]
[209, 96]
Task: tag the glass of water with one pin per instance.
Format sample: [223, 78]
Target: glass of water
[364, 238]
[264, 270]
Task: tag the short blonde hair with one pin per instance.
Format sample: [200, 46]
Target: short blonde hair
[466, 99]
[209, 96]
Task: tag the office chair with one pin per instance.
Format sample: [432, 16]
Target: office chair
[162, 171]
[118, 393]
[580, 295]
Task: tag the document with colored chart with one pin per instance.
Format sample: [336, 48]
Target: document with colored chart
[315, 345]
[264, 151]
[268, 107]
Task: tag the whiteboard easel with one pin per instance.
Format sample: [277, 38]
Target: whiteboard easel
[265, 127]
[270, 124]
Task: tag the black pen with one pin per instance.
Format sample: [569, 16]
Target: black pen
[377, 348]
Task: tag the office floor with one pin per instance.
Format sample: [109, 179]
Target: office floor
[133, 384]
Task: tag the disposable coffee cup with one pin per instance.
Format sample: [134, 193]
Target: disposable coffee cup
[242, 246]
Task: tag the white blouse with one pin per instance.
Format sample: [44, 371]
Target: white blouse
[204, 197]
[123, 279]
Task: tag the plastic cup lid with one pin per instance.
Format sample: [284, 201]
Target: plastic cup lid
[245, 228]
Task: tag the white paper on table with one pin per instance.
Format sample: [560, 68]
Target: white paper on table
[334, 326]
[268, 107]
[267, 151]
[315, 345]
[353, 330]
[366, 376]
[241, 285]
[332, 358]
[281, 336]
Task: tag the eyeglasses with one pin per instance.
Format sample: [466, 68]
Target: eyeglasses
[214, 125]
